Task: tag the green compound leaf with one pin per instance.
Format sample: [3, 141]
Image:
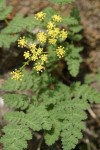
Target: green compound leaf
[53, 135]
[73, 59]
[16, 25]
[62, 117]
[15, 117]
[87, 93]
[2, 4]
[13, 85]
[5, 12]
[6, 39]
[49, 13]
[76, 29]
[15, 137]
[73, 66]
[62, 1]
[40, 116]
[19, 101]
[69, 20]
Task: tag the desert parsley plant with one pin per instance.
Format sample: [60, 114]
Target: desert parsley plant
[41, 102]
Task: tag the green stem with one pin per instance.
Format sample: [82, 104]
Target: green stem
[25, 64]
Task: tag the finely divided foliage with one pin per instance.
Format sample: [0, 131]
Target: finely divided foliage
[54, 111]
[40, 101]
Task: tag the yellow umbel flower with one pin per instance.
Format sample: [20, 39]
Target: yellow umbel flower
[44, 58]
[39, 50]
[63, 34]
[40, 16]
[57, 18]
[52, 41]
[50, 25]
[50, 32]
[53, 32]
[41, 37]
[26, 55]
[33, 47]
[56, 31]
[39, 67]
[60, 51]
[17, 75]
[22, 42]
[34, 56]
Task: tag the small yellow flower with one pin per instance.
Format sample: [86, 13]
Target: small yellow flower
[63, 34]
[60, 51]
[53, 32]
[50, 25]
[44, 57]
[32, 46]
[39, 51]
[41, 36]
[34, 56]
[52, 41]
[57, 18]
[50, 32]
[40, 16]
[26, 55]
[56, 31]
[16, 75]
[39, 67]
[22, 42]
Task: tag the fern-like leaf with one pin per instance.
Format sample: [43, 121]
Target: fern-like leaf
[62, 1]
[69, 20]
[25, 84]
[16, 25]
[6, 39]
[15, 137]
[19, 101]
[5, 12]
[73, 66]
[53, 135]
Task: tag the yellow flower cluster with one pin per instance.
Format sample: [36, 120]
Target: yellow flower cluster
[50, 25]
[39, 67]
[63, 34]
[52, 41]
[41, 37]
[40, 16]
[26, 55]
[53, 32]
[17, 75]
[35, 52]
[56, 18]
[60, 51]
[22, 42]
